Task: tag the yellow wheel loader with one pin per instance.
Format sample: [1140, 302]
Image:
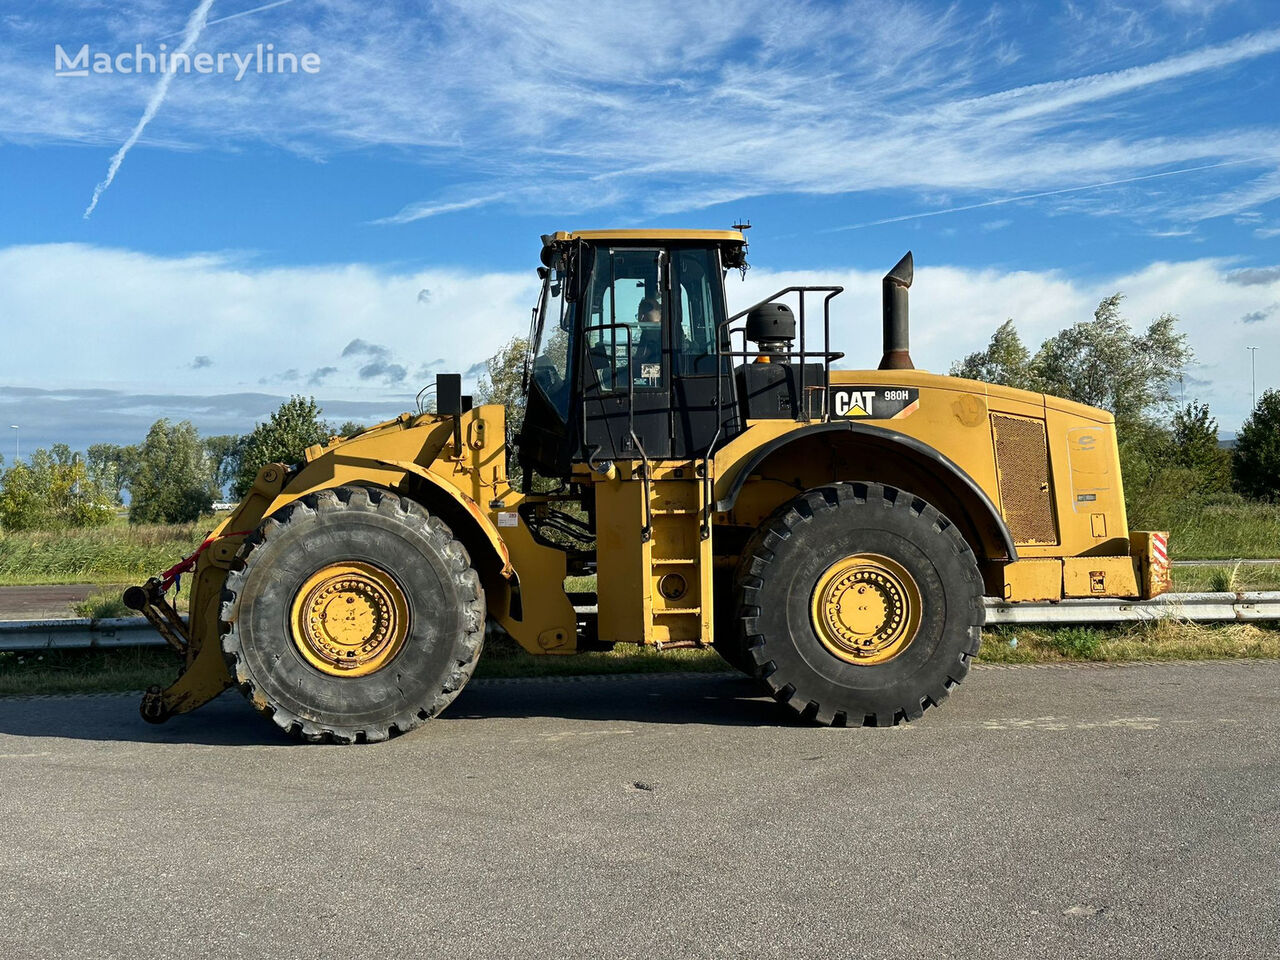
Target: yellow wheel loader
[831, 532]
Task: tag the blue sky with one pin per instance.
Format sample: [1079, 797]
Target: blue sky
[1036, 157]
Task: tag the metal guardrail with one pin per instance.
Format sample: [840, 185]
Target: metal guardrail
[31, 635]
[1200, 607]
[35, 635]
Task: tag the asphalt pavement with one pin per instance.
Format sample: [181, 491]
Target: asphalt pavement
[1128, 811]
[42, 601]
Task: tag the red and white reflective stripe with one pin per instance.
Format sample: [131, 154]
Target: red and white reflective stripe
[1160, 549]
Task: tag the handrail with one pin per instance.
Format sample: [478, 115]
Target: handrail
[725, 333]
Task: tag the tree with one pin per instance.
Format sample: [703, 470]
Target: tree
[172, 481]
[1255, 466]
[295, 426]
[503, 382]
[1006, 360]
[51, 492]
[348, 428]
[221, 450]
[1195, 449]
[1100, 362]
[503, 379]
[108, 466]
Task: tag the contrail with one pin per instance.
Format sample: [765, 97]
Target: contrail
[1046, 193]
[194, 25]
[233, 16]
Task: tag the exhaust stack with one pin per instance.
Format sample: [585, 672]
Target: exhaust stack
[897, 355]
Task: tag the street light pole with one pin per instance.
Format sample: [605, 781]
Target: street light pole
[1253, 373]
[17, 455]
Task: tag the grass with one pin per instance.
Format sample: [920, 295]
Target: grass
[113, 670]
[114, 554]
[1151, 640]
[117, 670]
[1225, 529]
[104, 604]
[503, 658]
[1228, 578]
[120, 554]
[123, 669]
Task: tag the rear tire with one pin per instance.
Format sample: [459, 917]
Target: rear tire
[859, 604]
[414, 636]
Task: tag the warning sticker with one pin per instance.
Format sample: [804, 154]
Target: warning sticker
[874, 403]
[508, 519]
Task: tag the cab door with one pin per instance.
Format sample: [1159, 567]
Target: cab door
[626, 363]
[702, 397]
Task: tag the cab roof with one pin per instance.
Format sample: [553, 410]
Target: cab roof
[719, 236]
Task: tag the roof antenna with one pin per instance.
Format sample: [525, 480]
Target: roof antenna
[742, 226]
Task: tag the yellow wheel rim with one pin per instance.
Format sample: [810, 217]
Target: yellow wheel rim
[349, 619]
[866, 609]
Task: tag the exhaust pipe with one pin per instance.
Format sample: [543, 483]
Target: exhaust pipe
[897, 354]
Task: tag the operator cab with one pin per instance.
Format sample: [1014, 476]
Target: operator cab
[633, 357]
[624, 346]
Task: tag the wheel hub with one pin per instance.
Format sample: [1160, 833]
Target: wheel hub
[866, 609]
[349, 619]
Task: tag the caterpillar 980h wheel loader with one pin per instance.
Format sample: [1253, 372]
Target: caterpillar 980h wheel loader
[831, 532]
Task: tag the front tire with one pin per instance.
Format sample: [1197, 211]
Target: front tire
[859, 603]
[352, 615]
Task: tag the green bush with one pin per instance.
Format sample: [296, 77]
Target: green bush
[52, 492]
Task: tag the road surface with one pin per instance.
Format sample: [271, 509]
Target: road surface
[1043, 812]
[42, 602]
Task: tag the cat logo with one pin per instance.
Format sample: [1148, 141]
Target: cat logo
[874, 403]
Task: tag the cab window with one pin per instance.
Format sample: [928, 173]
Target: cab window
[701, 312]
[626, 318]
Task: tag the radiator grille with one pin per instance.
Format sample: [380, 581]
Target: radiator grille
[1022, 466]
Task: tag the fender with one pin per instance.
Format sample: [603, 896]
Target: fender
[483, 523]
[881, 437]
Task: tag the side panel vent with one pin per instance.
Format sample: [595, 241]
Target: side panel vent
[1022, 466]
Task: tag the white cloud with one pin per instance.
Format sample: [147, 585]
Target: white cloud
[132, 322]
[673, 107]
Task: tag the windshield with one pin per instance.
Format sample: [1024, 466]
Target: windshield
[552, 343]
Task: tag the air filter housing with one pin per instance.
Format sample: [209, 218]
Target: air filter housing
[772, 327]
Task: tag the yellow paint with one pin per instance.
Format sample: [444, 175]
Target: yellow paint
[349, 619]
[1100, 577]
[1032, 580]
[657, 236]
[865, 609]
[954, 418]
[655, 591]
